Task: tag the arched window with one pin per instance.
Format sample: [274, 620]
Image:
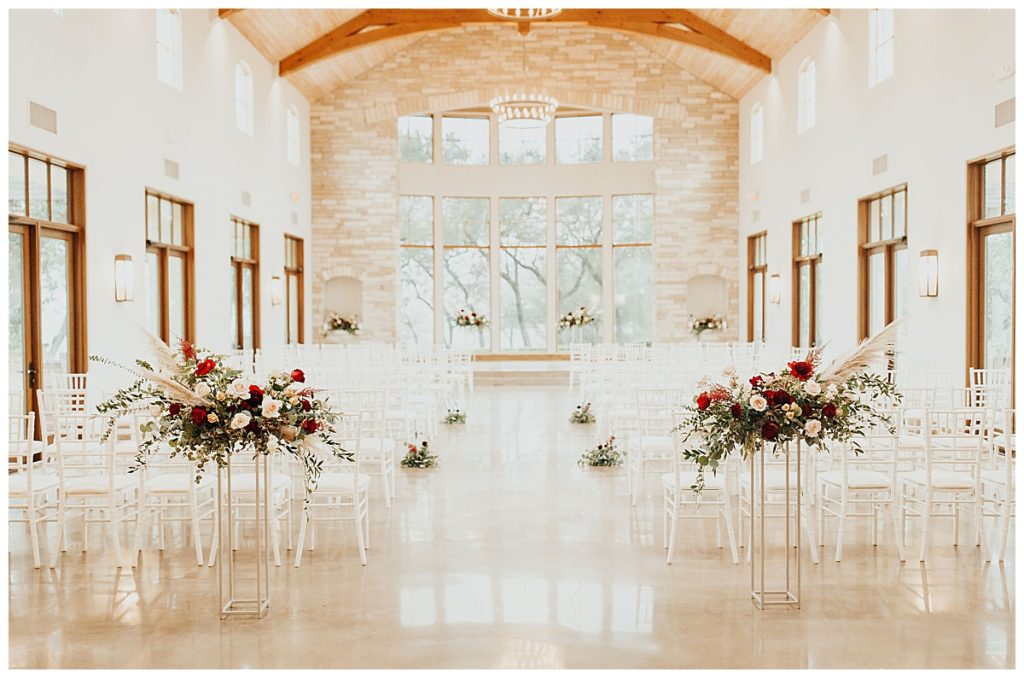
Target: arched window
[168, 47]
[243, 98]
[756, 133]
[805, 96]
[292, 134]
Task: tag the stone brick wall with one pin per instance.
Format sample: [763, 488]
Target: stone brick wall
[354, 154]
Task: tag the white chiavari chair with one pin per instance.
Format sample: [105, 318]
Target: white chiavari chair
[998, 479]
[342, 492]
[953, 445]
[653, 446]
[682, 503]
[93, 481]
[31, 483]
[171, 492]
[377, 450]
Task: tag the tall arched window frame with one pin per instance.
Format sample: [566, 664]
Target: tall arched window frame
[805, 96]
[756, 133]
[168, 47]
[243, 98]
[293, 136]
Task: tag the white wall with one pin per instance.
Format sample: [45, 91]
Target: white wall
[931, 117]
[97, 69]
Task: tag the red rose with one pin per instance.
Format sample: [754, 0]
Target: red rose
[174, 409]
[769, 430]
[298, 375]
[251, 426]
[703, 400]
[255, 390]
[828, 410]
[205, 367]
[737, 410]
[198, 415]
[187, 350]
[412, 448]
[756, 381]
[801, 369]
[782, 398]
[806, 410]
[306, 405]
[770, 397]
[310, 425]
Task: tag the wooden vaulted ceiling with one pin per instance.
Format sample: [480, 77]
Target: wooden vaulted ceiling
[318, 50]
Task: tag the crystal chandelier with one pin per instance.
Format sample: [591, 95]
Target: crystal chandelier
[527, 14]
[524, 110]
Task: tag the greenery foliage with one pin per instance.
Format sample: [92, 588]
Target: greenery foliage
[605, 454]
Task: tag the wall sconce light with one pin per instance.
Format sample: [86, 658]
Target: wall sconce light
[928, 271]
[124, 278]
[775, 288]
[275, 290]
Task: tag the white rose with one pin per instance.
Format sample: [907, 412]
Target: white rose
[238, 389]
[221, 396]
[758, 403]
[271, 408]
[240, 420]
[730, 371]
[156, 409]
[812, 428]
[812, 387]
[272, 443]
[212, 418]
[202, 389]
[831, 392]
[790, 413]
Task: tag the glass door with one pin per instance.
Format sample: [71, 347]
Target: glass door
[20, 374]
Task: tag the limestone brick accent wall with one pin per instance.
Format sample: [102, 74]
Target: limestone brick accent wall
[355, 165]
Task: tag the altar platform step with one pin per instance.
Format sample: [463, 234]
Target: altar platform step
[521, 372]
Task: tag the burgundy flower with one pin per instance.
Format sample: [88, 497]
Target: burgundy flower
[205, 367]
[251, 426]
[801, 369]
[198, 415]
[770, 397]
[187, 350]
[174, 409]
[770, 430]
[703, 400]
[806, 410]
[828, 410]
[782, 398]
[756, 380]
[737, 410]
[255, 390]
[298, 375]
[306, 405]
[310, 425]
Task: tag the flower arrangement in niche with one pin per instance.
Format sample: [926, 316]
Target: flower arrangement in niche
[205, 411]
[699, 326]
[798, 404]
[578, 318]
[455, 416]
[419, 456]
[582, 415]
[470, 319]
[605, 454]
[335, 322]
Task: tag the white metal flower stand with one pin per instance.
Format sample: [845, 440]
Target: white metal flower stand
[239, 595]
[789, 594]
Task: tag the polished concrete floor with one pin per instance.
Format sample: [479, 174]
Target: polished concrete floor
[510, 556]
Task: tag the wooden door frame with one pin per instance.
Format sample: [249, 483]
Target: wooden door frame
[300, 273]
[751, 271]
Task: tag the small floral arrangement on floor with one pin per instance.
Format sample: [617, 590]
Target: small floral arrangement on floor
[336, 322]
[801, 404]
[205, 411]
[605, 454]
[455, 416]
[470, 319]
[419, 456]
[699, 326]
[576, 319]
[582, 415]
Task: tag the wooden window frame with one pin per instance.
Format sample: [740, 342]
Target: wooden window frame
[164, 251]
[298, 272]
[752, 269]
[238, 265]
[814, 261]
[978, 228]
[866, 247]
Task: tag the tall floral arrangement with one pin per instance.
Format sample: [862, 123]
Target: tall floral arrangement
[203, 410]
[800, 403]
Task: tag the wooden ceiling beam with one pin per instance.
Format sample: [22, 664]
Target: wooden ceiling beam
[399, 22]
[225, 13]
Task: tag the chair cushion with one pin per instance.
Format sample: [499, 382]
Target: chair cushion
[774, 480]
[98, 484]
[176, 483]
[857, 479]
[341, 482]
[246, 482]
[17, 484]
[687, 478]
[943, 480]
